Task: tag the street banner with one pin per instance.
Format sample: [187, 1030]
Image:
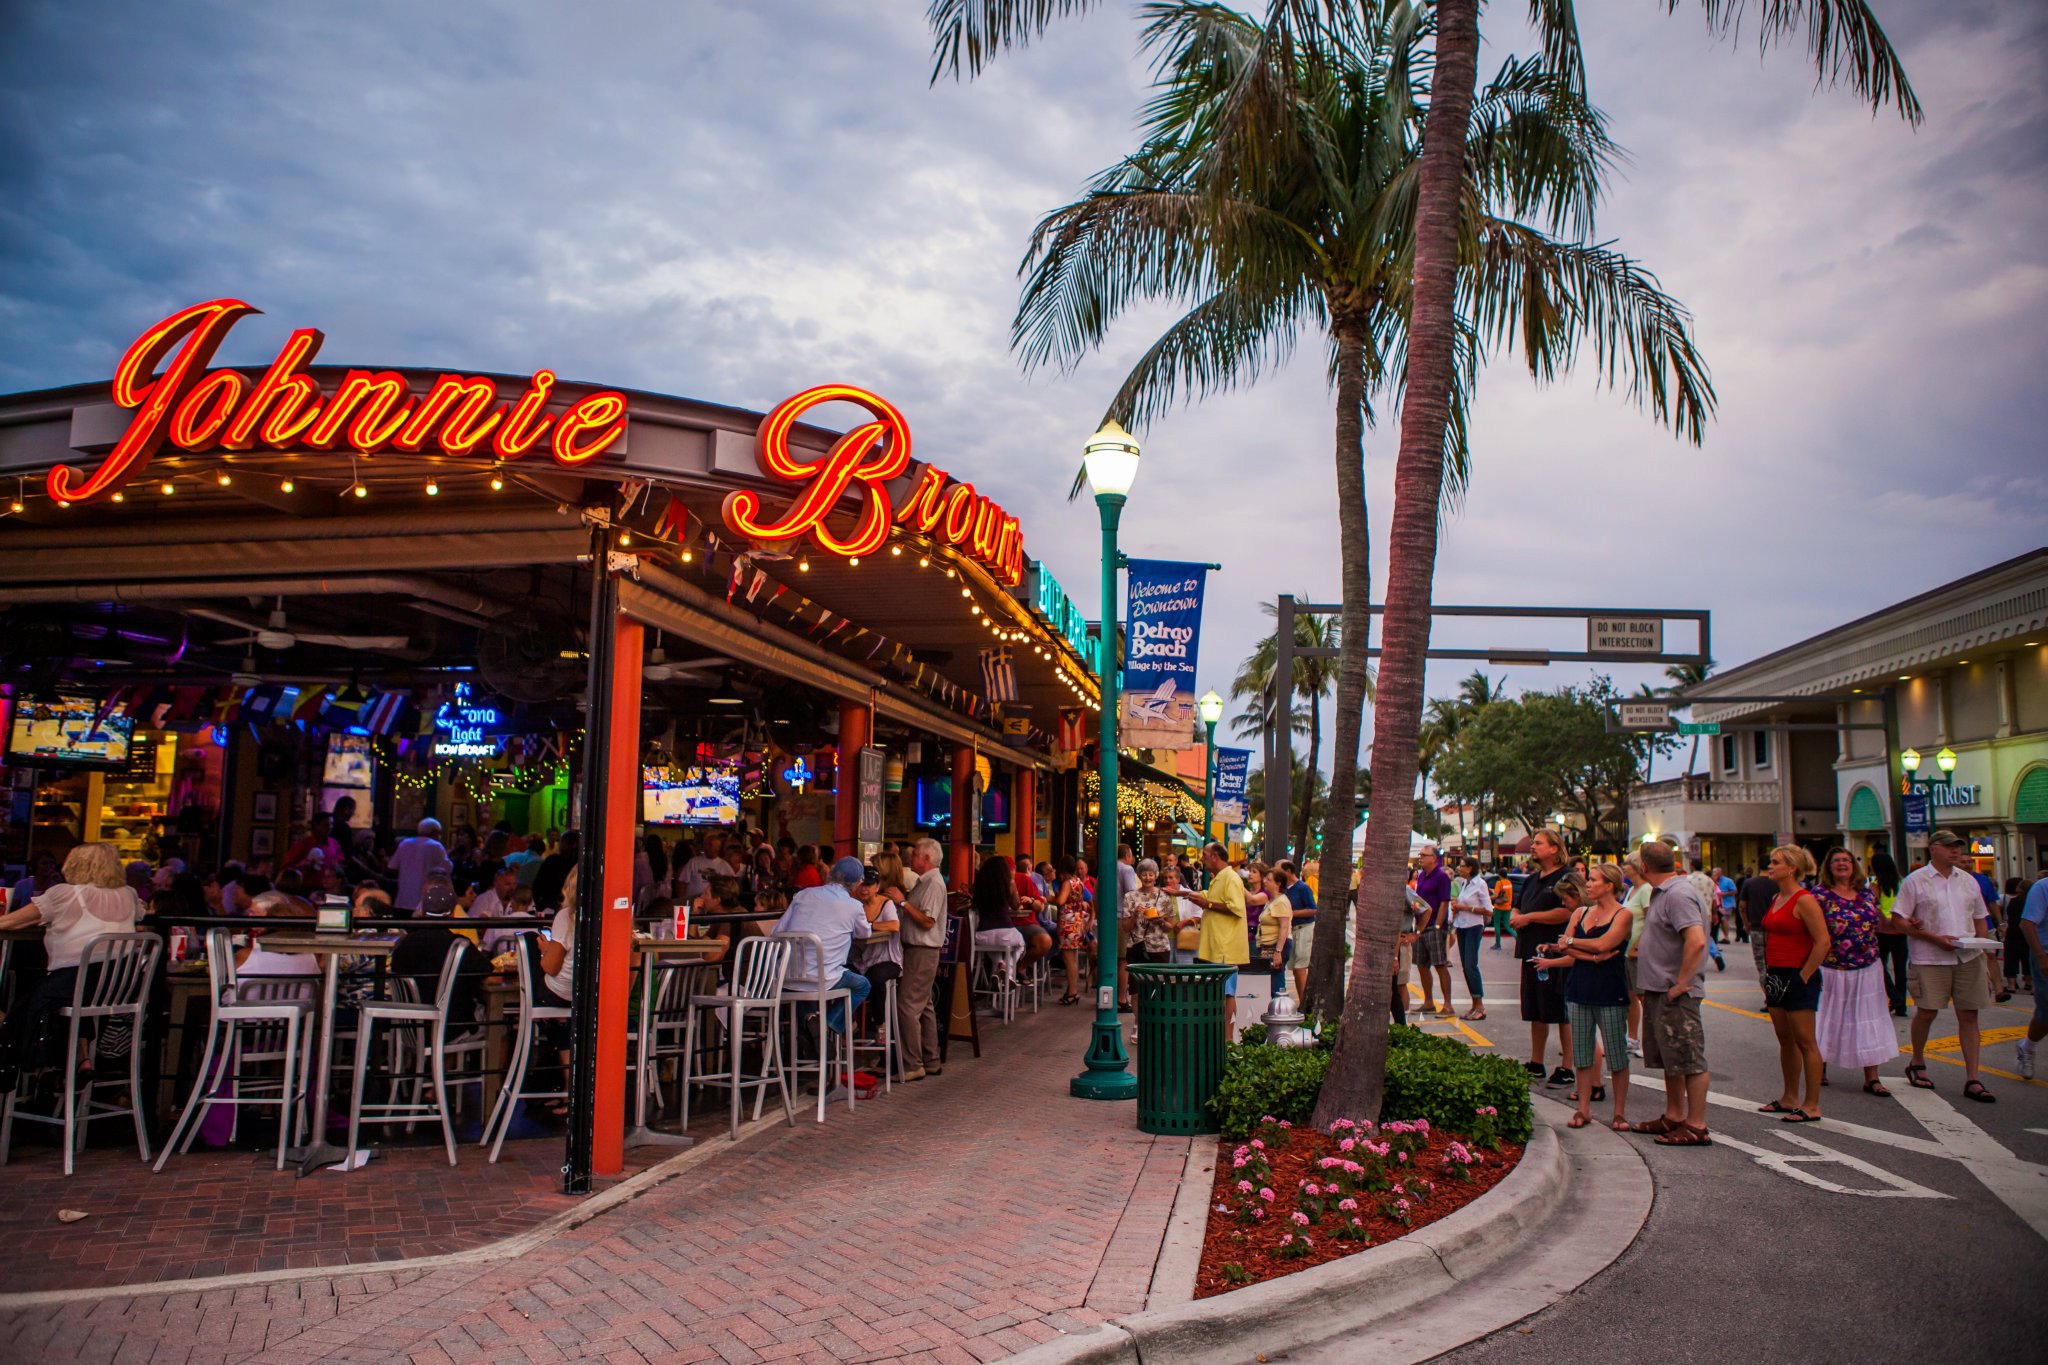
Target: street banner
[1164, 614]
[1232, 767]
[1919, 812]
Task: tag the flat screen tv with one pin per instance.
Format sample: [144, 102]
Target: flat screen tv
[351, 762]
[935, 803]
[696, 795]
[69, 732]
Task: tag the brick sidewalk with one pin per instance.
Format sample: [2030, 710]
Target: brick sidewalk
[960, 1220]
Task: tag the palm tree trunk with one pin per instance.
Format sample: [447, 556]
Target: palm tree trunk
[1340, 810]
[1356, 1079]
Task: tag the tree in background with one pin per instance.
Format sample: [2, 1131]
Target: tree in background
[1312, 680]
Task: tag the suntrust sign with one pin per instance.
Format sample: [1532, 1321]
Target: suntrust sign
[193, 408]
[870, 456]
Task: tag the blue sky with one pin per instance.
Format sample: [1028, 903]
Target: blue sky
[736, 200]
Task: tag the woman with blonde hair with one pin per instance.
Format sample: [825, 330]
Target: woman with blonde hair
[1852, 1026]
[93, 899]
[1796, 942]
[1593, 950]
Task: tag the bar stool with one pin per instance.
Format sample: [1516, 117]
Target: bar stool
[999, 980]
[114, 973]
[254, 1021]
[755, 988]
[885, 1043]
[531, 1016]
[407, 1014]
[668, 1021]
[807, 959]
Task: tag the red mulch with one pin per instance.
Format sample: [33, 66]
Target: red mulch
[1254, 1247]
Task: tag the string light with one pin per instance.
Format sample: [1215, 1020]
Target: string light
[853, 561]
[433, 488]
[687, 556]
[497, 479]
[118, 497]
[169, 488]
[361, 491]
[285, 486]
[625, 539]
[803, 566]
[895, 549]
[225, 478]
[924, 561]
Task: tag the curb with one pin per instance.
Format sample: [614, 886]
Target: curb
[1339, 1296]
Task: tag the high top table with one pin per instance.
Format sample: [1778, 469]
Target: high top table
[330, 949]
[652, 952]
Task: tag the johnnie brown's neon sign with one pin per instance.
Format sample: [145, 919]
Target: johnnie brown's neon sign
[870, 455]
[370, 410]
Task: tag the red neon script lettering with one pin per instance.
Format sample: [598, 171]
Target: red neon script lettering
[871, 454]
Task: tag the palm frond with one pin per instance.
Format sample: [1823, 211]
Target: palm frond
[1843, 38]
[967, 34]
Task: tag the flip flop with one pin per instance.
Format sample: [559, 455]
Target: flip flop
[1576, 1121]
[1800, 1116]
[1620, 1126]
[1774, 1107]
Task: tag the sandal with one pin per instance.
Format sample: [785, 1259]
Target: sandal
[1974, 1090]
[1068, 999]
[1916, 1076]
[1577, 1120]
[1800, 1116]
[1656, 1127]
[1876, 1088]
[1775, 1107]
[1599, 1094]
[1475, 1014]
[1685, 1135]
[1621, 1125]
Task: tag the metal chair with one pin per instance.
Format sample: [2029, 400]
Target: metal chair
[114, 973]
[668, 1021]
[807, 963]
[407, 1014]
[253, 1021]
[755, 989]
[531, 1016]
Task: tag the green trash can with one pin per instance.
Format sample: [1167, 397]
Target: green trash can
[1180, 1044]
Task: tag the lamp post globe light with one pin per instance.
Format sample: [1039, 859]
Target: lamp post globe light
[1111, 461]
[1210, 709]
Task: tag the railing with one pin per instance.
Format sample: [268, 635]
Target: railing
[1710, 790]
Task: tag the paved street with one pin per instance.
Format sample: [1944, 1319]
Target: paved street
[1905, 1229]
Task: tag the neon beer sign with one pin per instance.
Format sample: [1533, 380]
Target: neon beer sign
[870, 456]
[164, 378]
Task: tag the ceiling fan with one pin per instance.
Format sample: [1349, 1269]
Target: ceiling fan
[277, 634]
[660, 668]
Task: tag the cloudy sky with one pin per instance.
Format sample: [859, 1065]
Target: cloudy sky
[735, 200]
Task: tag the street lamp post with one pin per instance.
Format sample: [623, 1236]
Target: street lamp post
[1111, 459]
[1210, 708]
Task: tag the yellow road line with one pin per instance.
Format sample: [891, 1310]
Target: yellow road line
[1933, 1056]
[1751, 1014]
[1954, 1043]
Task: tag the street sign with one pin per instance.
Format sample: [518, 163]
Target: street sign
[1699, 727]
[1646, 715]
[1919, 813]
[1624, 637]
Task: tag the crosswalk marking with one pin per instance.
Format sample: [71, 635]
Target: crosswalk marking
[2021, 1186]
[1889, 1186]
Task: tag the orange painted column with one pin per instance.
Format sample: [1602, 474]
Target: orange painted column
[960, 852]
[853, 737]
[1024, 815]
[615, 967]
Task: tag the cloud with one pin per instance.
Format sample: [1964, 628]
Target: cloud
[732, 201]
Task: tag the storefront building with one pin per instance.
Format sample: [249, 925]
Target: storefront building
[1954, 680]
[234, 598]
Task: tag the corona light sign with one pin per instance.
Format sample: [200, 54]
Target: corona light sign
[870, 456]
[164, 378]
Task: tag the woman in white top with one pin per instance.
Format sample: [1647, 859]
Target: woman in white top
[1471, 912]
[93, 899]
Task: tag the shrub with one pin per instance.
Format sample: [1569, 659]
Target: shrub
[1428, 1077]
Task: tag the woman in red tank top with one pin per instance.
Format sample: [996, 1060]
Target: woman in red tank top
[1795, 944]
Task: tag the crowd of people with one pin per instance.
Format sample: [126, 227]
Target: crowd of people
[1614, 960]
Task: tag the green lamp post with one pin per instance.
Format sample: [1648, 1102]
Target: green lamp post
[1210, 709]
[1111, 459]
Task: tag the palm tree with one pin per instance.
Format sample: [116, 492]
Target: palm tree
[1293, 210]
[1678, 677]
[1312, 679]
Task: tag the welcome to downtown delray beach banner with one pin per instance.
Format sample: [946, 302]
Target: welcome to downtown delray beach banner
[1164, 614]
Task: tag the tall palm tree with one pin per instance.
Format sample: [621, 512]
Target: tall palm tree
[1677, 678]
[1292, 210]
[1312, 679]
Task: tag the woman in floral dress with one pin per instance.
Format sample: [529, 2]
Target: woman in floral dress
[1853, 1025]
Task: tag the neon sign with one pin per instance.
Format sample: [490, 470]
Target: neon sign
[197, 409]
[870, 455]
[464, 729]
[798, 774]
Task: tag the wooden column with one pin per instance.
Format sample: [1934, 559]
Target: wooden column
[1024, 815]
[854, 722]
[615, 965]
[959, 851]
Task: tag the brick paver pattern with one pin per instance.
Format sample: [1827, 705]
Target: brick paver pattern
[962, 1219]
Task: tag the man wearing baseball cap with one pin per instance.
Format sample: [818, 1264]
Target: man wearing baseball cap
[1937, 905]
[837, 917]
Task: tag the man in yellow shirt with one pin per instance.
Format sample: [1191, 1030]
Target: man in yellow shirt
[1223, 937]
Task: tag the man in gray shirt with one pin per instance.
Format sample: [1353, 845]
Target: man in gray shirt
[1670, 972]
[924, 936]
